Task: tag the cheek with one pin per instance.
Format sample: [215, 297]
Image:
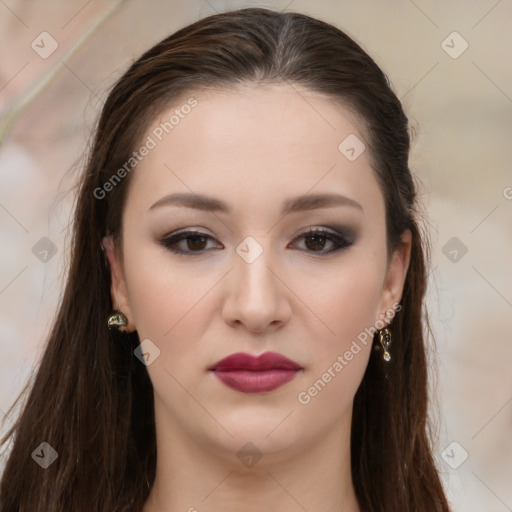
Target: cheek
[345, 299]
[166, 305]
[346, 302]
[329, 393]
[347, 306]
[160, 295]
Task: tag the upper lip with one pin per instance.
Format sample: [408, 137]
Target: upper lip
[265, 361]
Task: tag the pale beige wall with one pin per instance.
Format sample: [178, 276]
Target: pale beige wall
[461, 108]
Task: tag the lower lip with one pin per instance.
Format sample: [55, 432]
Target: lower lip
[248, 381]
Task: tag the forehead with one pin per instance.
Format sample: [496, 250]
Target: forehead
[225, 116]
[254, 141]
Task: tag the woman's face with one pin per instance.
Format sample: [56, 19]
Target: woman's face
[252, 282]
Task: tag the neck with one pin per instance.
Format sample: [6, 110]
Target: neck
[196, 478]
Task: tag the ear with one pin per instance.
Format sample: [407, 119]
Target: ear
[118, 290]
[395, 279]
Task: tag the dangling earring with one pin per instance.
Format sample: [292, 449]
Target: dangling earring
[117, 320]
[385, 341]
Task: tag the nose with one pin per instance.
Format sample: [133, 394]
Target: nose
[257, 294]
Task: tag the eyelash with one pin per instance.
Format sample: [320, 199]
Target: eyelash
[340, 241]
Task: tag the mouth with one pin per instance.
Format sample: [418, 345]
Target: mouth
[259, 381]
[248, 374]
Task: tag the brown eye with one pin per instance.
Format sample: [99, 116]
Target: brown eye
[195, 242]
[316, 240]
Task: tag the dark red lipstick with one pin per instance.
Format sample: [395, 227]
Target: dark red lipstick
[248, 374]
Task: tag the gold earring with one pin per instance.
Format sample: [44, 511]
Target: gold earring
[117, 320]
[385, 341]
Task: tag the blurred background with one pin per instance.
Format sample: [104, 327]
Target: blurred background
[449, 63]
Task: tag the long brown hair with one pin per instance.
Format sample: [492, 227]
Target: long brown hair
[92, 401]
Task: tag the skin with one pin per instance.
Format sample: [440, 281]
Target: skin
[254, 148]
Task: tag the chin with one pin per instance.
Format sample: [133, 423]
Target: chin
[250, 449]
[268, 435]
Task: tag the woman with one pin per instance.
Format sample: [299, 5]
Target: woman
[242, 320]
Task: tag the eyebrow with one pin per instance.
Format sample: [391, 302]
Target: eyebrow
[293, 204]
